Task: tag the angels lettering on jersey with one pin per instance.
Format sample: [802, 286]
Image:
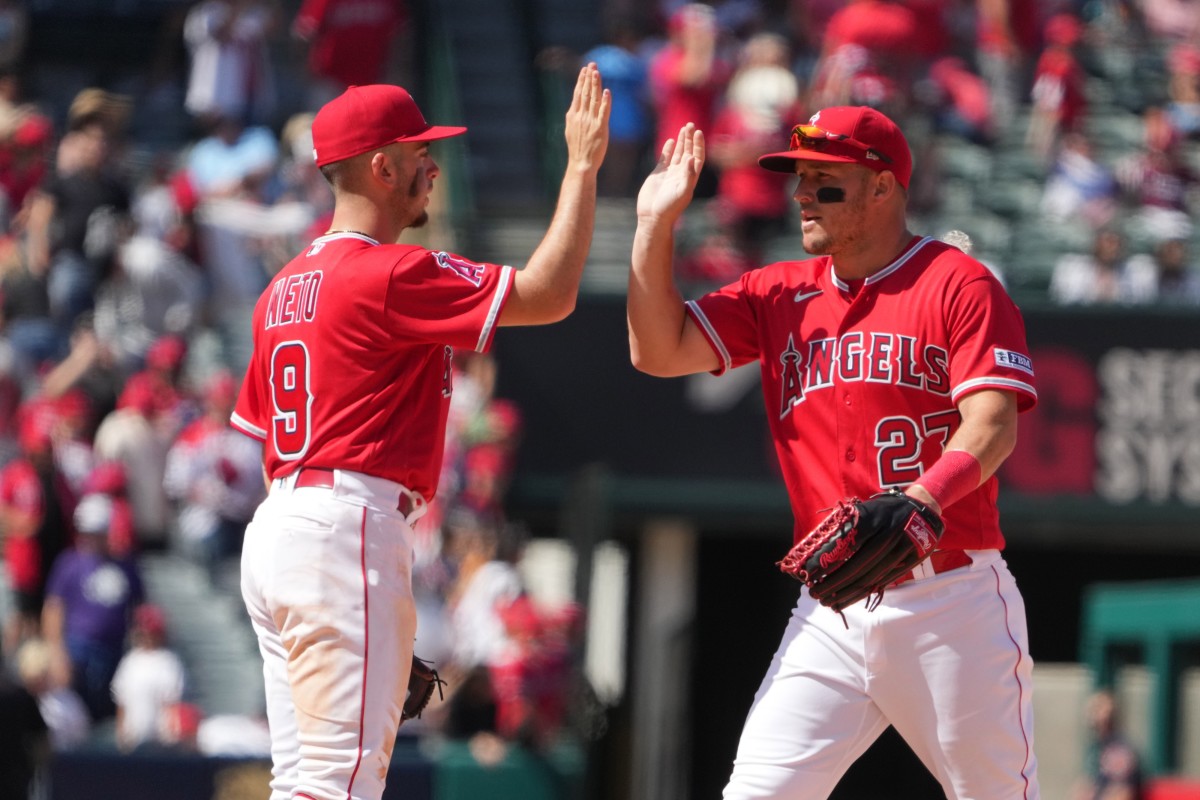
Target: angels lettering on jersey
[874, 357]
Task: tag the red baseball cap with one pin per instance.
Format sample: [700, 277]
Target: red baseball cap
[849, 135]
[364, 118]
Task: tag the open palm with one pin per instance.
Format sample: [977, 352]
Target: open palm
[668, 189]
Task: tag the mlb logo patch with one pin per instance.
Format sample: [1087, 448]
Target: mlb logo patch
[1014, 360]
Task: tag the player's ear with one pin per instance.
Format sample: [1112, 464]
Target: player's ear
[884, 184]
[382, 167]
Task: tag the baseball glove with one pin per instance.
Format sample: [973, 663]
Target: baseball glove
[862, 547]
[422, 679]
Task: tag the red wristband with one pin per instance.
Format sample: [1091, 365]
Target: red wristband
[952, 477]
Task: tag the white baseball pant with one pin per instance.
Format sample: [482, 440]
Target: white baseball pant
[944, 659]
[326, 578]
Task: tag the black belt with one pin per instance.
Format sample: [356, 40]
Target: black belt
[318, 478]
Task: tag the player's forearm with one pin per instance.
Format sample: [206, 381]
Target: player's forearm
[655, 308]
[988, 430]
[546, 289]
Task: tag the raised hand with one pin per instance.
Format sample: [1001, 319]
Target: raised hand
[668, 189]
[587, 121]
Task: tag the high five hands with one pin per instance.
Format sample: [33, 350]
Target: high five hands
[668, 190]
[587, 121]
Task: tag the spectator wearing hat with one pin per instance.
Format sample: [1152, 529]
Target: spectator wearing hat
[1059, 101]
[90, 597]
[893, 42]
[175, 403]
[26, 135]
[148, 684]
[35, 510]
[108, 478]
[131, 435]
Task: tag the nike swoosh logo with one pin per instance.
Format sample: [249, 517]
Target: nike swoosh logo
[801, 296]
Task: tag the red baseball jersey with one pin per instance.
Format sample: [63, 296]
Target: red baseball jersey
[353, 348]
[861, 386]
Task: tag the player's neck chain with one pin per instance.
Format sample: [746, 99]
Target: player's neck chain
[358, 233]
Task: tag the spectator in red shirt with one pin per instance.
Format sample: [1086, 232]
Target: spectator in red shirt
[687, 79]
[1007, 37]
[35, 509]
[349, 42]
[892, 35]
[753, 203]
[960, 100]
[1059, 102]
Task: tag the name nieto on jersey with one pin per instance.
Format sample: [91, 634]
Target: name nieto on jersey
[293, 299]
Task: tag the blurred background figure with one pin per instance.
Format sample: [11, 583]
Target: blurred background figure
[214, 479]
[81, 211]
[1159, 180]
[1006, 41]
[350, 43]
[688, 77]
[35, 516]
[1059, 99]
[90, 597]
[959, 100]
[1101, 276]
[622, 62]
[1183, 89]
[1167, 275]
[231, 73]
[148, 684]
[1114, 770]
[762, 102]
[1079, 186]
[131, 436]
[872, 53]
[24, 740]
[48, 680]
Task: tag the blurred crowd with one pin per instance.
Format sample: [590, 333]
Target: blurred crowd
[1037, 78]
[129, 268]
[141, 218]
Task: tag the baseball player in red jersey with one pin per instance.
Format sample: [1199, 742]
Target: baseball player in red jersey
[348, 389]
[888, 360]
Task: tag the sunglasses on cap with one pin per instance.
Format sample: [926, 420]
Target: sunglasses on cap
[810, 137]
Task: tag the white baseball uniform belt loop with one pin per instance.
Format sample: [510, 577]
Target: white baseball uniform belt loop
[941, 561]
[408, 502]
